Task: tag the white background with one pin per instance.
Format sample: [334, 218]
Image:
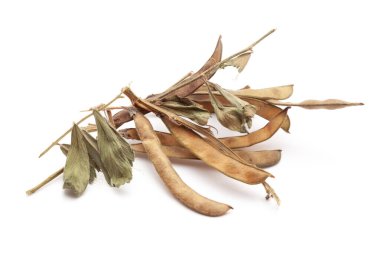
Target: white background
[60, 57]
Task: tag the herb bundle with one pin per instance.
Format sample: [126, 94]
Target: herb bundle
[185, 109]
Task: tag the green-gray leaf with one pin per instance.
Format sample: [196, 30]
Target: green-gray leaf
[187, 108]
[115, 152]
[76, 174]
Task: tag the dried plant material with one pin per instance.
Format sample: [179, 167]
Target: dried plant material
[236, 117]
[76, 174]
[239, 62]
[207, 134]
[247, 140]
[278, 92]
[265, 109]
[236, 169]
[258, 136]
[65, 150]
[329, 104]
[46, 181]
[115, 153]
[166, 139]
[189, 85]
[169, 176]
[187, 108]
[262, 159]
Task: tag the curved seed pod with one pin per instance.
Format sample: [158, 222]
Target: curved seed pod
[263, 159]
[166, 139]
[236, 169]
[277, 92]
[257, 136]
[250, 139]
[265, 109]
[328, 104]
[177, 187]
[197, 79]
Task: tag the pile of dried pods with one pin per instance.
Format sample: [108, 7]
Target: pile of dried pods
[185, 108]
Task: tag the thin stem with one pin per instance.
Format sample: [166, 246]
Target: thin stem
[43, 183]
[80, 121]
[213, 67]
[110, 118]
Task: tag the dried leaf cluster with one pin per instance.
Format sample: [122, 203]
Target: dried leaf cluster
[185, 109]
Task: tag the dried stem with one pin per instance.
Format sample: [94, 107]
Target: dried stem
[80, 121]
[43, 183]
[110, 118]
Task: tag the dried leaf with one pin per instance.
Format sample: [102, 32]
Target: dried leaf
[65, 149]
[329, 104]
[76, 174]
[115, 153]
[187, 108]
[239, 61]
[234, 117]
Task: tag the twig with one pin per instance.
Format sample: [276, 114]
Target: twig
[80, 121]
[47, 180]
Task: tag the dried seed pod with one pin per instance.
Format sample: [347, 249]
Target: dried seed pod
[177, 187]
[213, 157]
[262, 159]
[328, 104]
[250, 139]
[197, 79]
[278, 92]
[257, 136]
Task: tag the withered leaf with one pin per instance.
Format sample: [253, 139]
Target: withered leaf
[234, 117]
[187, 108]
[115, 153]
[329, 104]
[65, 149]
[76, 174]
[239, 61]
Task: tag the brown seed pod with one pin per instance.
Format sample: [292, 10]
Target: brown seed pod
[236, 169]
[250, 139]
[262, 159]
[164, 168]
